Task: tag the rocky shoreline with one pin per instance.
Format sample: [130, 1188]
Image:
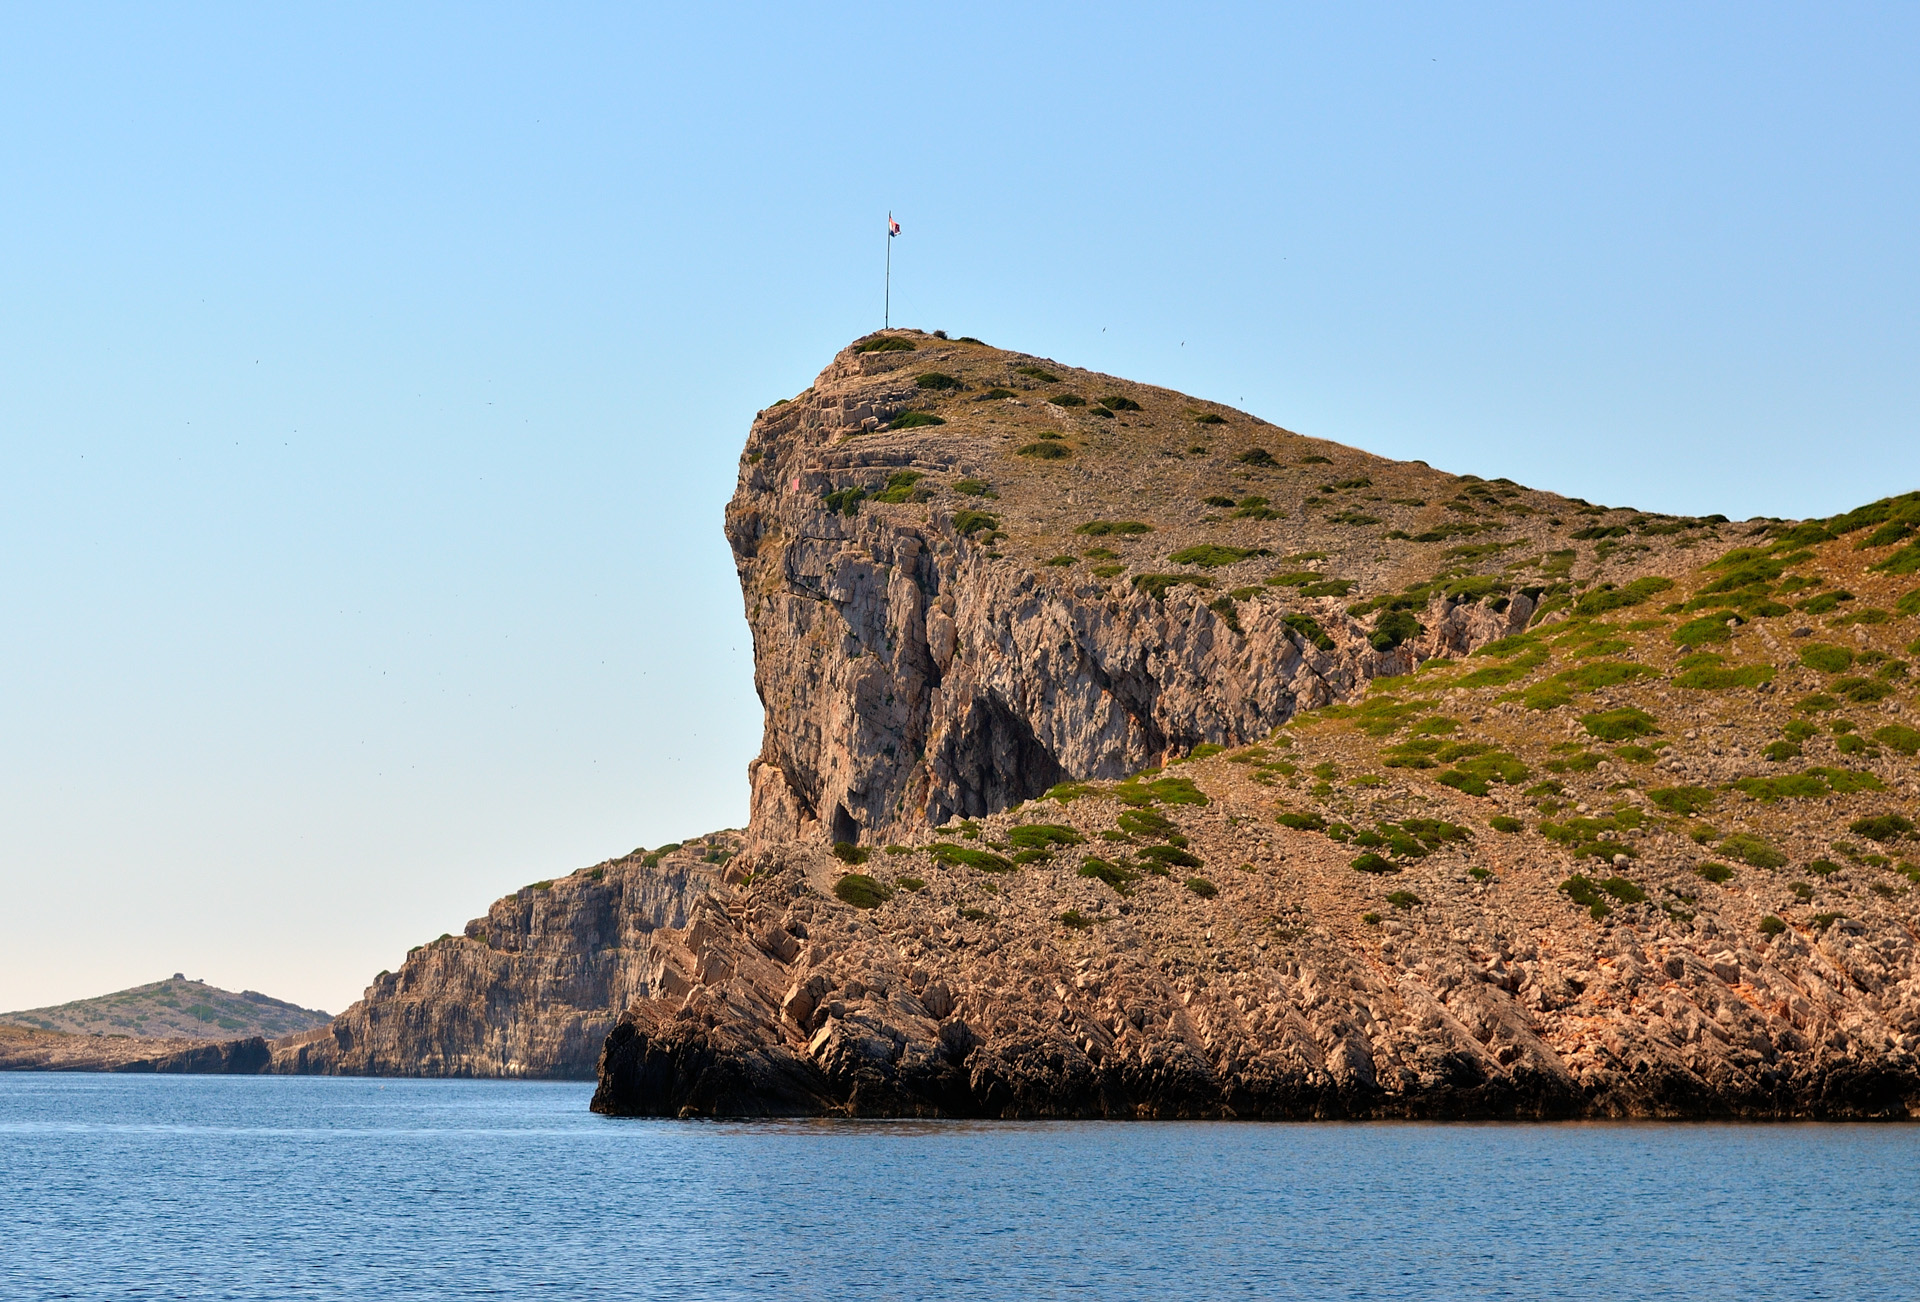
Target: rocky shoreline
[1128, 756]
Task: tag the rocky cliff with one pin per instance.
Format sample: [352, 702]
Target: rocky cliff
[1126, 755]
[931, 544]
[531, 989]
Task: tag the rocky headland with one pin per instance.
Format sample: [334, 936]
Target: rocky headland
[1129, 756]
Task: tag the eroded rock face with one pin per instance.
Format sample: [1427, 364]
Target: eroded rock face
[953, 615]
[1463, 892]
[911, 675]
[531, 989]
[1266, 1000]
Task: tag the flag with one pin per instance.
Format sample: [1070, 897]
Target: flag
[893, 227]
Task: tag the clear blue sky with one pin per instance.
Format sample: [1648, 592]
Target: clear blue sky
[371, 383]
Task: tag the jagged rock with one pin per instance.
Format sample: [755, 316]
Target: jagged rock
[531, 989]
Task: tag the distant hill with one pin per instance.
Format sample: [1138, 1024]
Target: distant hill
[174, 1009]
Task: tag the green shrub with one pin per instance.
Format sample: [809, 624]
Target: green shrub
[968, 522]
[1623, 890]
[1883, 827]
[848, 852]
[900, 488]
[846, 500]
[1771, 926]
[1309, 631]
[914, 420]
[1213, 555]
[1819, 701]
[1473, 775]
[1393, 628]
[1823, 867]
[1792, 786]
[1108, 528]
[1373, 863]
[1827, 659]
[1620, 724]
[1779, 751]
[1158, 585]
[1217, 500]
[1862, 691]
[862, 891]
[1585, 892]
[1720, 678]
[1063, 560]
[1302, 822]
[1074, 920]
[1200, 886]
[1403, 899]
[970, 857]
[936, 380]
[1039, 836]
[994, 395]
[1607, 597]
[1044, 451]
[1119, 402]
[1140, 793]
[1904, 561]
[1714, 872]
[1898, 736]
[1067, 400]
[1506, 823]
[1636, 754]
[1752, 851]
[885, 344]
[1908, 605]
[1699, 632]
[973, 488]
[1148, 823]
[1170, 856]
[1112, 874]
[541, 885]
[911, 884]
[1039, 373]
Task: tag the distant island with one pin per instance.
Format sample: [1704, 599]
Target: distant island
[175, 1021]
[174, 1009]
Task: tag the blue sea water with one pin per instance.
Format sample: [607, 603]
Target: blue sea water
[273, 1187]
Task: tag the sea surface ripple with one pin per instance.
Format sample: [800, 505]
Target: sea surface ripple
[272, 1187]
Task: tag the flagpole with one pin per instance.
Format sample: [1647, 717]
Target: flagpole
[886, 319]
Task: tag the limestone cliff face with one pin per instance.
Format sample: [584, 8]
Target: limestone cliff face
[1188, 767]
[1265, 999]
[1541, 835]
[911, 675]
[531, 989]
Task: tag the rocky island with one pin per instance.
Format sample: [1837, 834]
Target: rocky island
[1129, 756]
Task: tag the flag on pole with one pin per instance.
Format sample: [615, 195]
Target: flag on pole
[893, 227]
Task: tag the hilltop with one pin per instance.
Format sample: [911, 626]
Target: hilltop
[174, 1009]
[1128, 755]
